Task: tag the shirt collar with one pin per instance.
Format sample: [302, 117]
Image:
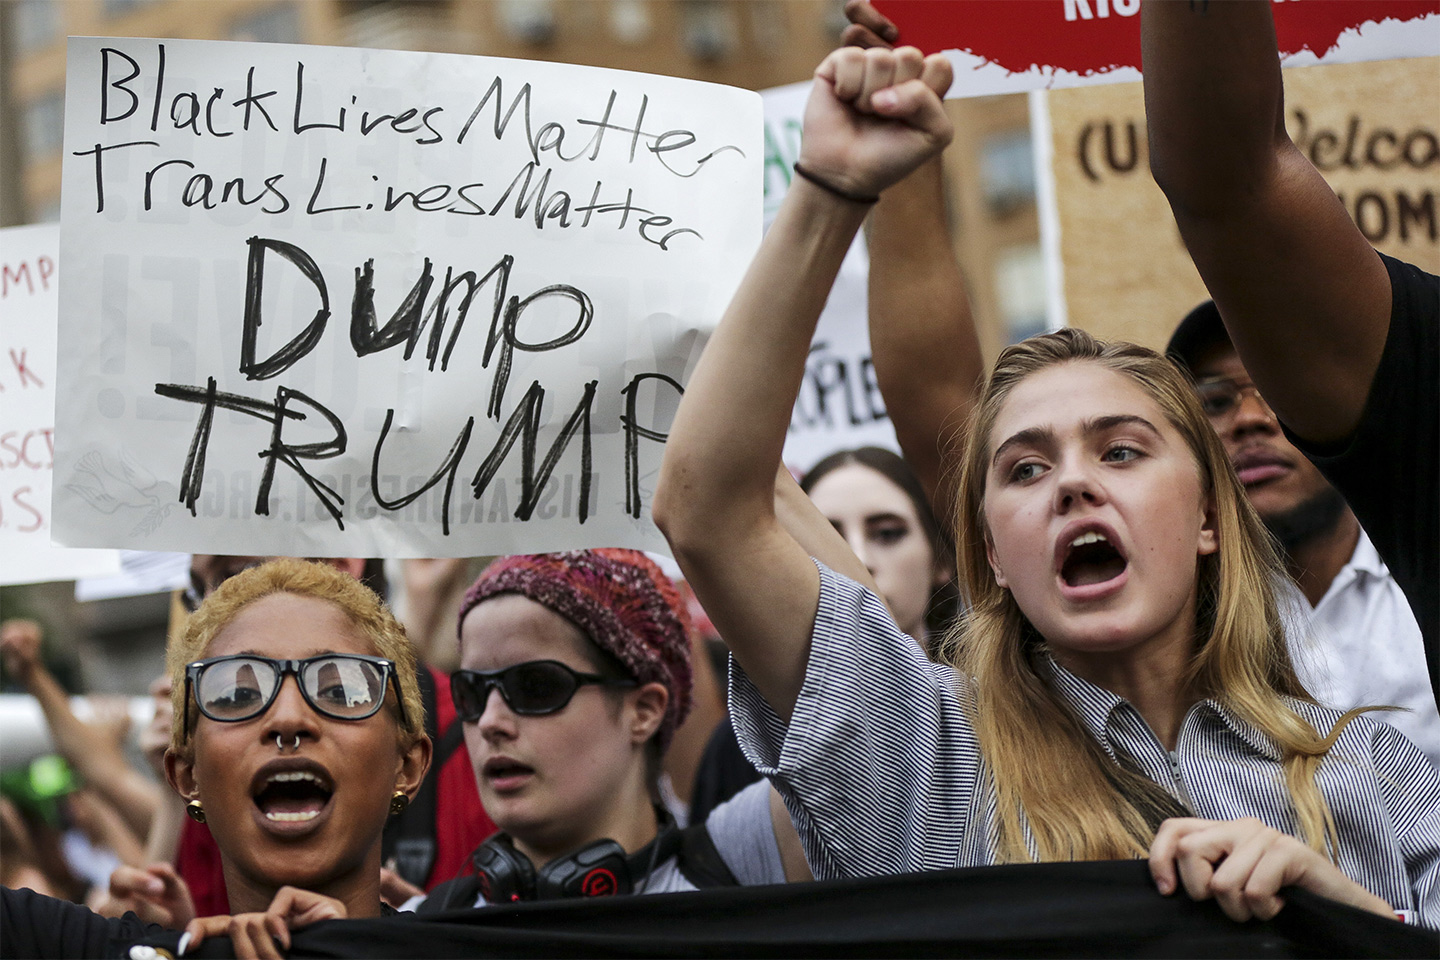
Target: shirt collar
[1364, 562]
[1366, 558]
[1094, 705]
[1091, 703]
[1242, 728]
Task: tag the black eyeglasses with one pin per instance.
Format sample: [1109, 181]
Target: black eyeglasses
[532, 689]
[345, 686]
[1220, 396]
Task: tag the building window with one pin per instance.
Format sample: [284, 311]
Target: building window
[1007, 171]
[529, 21]
[44, 126]
[1020, 290]
[707, 28]
[277, 24]
[37, 24]
[630, 21]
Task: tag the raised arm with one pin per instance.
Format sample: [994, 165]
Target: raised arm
[922, 332]
[817, 536]
[93, 755]
[1305, 298]
[873, 116]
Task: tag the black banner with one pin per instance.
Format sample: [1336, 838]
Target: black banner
[1108, 909]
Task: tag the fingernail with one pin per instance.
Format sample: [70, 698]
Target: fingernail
[884, 98]
[183, 945]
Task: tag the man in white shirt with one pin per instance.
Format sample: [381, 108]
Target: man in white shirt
[1352, 634]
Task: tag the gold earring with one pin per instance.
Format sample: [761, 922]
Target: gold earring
[195, 810]
[398, 803]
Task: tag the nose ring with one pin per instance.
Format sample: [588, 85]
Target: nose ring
[294, 746]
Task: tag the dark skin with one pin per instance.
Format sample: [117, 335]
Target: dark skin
[1304, 296]
[1253, 426]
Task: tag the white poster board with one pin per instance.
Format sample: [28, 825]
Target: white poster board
[141, 572]
[839, 406]
[329, 301]
[29, 281]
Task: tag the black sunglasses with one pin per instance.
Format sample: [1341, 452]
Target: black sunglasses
[344, 686]
[531, 689]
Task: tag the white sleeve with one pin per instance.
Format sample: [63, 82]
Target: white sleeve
[745, 837]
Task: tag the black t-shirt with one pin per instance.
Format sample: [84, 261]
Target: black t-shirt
[1389, 469]
[34, 925]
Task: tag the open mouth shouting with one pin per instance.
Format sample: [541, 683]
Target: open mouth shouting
[291, 796]
[1089, 561]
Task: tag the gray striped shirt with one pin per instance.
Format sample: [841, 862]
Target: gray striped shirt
[882, 772]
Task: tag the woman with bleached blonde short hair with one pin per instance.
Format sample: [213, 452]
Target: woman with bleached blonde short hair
[299, 730]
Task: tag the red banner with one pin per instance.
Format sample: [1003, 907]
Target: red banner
[1070, 42]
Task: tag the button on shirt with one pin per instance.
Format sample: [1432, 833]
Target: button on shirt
[882, 772]
[1360, 646]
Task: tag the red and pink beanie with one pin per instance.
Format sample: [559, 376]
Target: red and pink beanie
[620, 599]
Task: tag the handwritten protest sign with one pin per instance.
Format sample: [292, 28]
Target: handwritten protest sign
[999, 46]
[1127, 273]
[29, 281]
[325, 301]
[839, 406]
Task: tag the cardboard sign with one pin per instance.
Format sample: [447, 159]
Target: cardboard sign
[326, 301]
[1127, 273]
[1000, 46]
[29, 285]
[839, 406]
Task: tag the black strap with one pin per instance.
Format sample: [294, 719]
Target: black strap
[700, 861]
[410, 837]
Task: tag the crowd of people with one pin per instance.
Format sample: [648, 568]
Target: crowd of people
[1110, 604]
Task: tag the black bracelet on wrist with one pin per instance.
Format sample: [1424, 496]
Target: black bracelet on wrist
[831, 188]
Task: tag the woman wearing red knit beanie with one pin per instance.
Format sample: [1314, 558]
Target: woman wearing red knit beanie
[575, 673]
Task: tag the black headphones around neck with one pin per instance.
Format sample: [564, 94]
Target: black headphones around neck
[599, 869]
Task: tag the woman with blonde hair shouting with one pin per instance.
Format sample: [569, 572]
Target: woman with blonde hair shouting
[1120, 687]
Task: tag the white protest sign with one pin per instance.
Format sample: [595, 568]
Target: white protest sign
[839, 406]
[141, 572]
[29, 281]
[326, 301]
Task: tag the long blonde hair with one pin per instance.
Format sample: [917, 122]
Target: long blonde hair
[1047, 769]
